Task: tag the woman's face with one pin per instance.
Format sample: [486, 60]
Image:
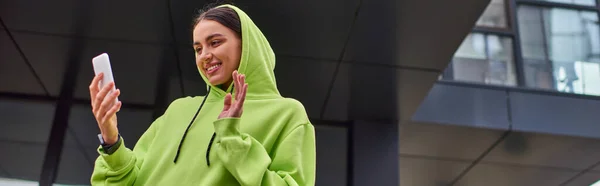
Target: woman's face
[218, 50]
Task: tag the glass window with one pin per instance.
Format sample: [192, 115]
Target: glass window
[576, 2]
[561, 49]
[494, 15]
[484, 59]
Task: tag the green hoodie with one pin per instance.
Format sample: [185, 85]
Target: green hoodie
[273, 143]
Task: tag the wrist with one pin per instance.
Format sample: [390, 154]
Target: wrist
[227, 127]
[110, 148]
[110, 139]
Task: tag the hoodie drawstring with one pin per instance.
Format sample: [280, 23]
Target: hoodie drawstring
[212, 139]
[189, 125]
[208, 149]
[188, 128]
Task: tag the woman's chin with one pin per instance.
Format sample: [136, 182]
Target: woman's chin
[215, 81]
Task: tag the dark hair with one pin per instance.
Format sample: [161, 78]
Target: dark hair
[223, 15]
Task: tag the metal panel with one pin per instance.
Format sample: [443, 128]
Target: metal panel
[373, 93]
[48, 57]
[13, 67]
[135, 68]
[503, 175]
[406, 33]
[24, 163]
[74, 168]
[588, 178]
[546, 151]
[558, 4]
[375, 153]
[387, 93]
[3, 173]
[24, 132]
[597, 167]
[174, 86]
[337, 106]
[464, 106]
[305, 80]
[429, 172]
[374, 41]
[137, 20]
[445, 141]
[412, 86]
[25, 121]
[332, 148]
[555, 114]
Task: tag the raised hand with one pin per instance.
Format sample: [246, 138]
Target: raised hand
[104, 109]
[234, 108]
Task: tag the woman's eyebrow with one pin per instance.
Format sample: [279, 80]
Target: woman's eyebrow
[208, 38]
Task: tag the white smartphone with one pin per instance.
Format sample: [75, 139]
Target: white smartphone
[102, 65]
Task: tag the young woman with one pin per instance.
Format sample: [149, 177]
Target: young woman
[243, 132]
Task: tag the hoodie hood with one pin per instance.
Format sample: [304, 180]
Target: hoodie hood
[257, 63]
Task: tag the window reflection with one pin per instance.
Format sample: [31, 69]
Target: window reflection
[586, 81]
[561, 48]
[494, 15]
[484, 59]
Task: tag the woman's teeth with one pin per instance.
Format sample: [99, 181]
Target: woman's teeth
[212, 67]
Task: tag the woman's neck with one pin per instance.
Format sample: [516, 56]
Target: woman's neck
[225, 86]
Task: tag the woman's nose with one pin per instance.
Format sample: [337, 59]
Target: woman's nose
[205, 57]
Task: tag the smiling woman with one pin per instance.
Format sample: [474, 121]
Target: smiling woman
[243, 132]
[217, 42]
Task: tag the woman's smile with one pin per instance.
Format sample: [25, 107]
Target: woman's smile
[212, 68]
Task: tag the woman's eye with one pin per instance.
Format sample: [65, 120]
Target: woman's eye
[215, 42]
[198, 50]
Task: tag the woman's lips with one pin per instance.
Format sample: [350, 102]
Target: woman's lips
[213, 68]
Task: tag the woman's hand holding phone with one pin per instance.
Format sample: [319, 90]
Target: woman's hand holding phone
[105, 109]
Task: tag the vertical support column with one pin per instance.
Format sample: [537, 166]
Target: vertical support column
[61, 117]
[375, 153]
[517, 52]
[65, 99]
[374, 110]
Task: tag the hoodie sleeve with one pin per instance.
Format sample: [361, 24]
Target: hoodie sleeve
[122, 166]
[293, 162]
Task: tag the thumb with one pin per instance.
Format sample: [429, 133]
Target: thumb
[227, 102]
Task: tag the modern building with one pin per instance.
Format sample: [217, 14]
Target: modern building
[415, 93]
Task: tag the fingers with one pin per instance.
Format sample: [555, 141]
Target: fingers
[243, 89]
[115, 108]
[227, 102]
[94, 87]
[240, 79]
[107, 103]
[234, 76]
[100, 96]
[235, 82]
